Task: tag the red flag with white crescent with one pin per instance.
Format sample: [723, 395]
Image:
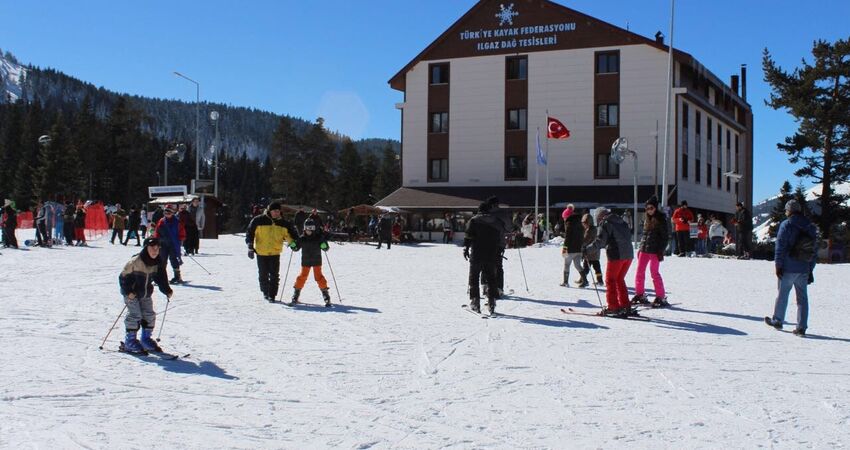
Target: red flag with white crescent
[556, 129]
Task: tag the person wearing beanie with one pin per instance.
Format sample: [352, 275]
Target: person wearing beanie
[795, 257]
[572, 248]
[590, 257]
[313, 242]
[481, 247]
[171, 234]
[651, 253]
[743, 231]
[134, 220]
[613, 235]
[504, 221]
[136, 284]
[682, 218]
[267, 232]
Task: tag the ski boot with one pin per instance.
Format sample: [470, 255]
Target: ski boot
[615, 312]
[566, 282]
[475, 305]
[660, 302]
[582, 282]
[491, 307]
[295, 294]
[640, 299]
[177, 279]
[327, 296]
[147, 343]
[599, 281]
[774, 323]
[131, 344]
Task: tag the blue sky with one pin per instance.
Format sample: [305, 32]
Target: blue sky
[333, 58]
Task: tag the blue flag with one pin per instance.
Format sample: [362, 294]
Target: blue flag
[541, 158]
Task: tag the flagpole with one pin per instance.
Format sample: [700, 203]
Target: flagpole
[546, 230]
[536, 182]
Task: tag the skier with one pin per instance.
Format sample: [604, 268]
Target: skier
[682, 218]
[483, 238]
[118, 224]
[572, 248]
[80, 225]
[144, 222]
[134, 219]
[171, 233]
[58, 223]
[313, 242]
[197, 212]
[795, 258]
[68, 225]
[136, 282]
[10, 223]
[385, 229]
[651, 252]
[590, 257]
[188, 222]
[503, 219]
[265, 237]
[614, 235]
[42, 226]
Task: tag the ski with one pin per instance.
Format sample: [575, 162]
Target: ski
[479, 314]
[572, 311]
[161, 355]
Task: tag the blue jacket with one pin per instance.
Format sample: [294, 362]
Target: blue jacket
[789, 231]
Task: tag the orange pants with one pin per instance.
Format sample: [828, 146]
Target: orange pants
[317, 274]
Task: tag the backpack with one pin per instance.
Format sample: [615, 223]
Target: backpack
[805, 248]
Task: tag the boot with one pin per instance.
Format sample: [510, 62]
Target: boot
[475, 304]
[566, 282]
[327, 296]
[599, 281]
[147, 343]
[773, 323]
[660, 303]
[295, 294]
[582, 282]
[131, 344]
[177, 279]
[491, 306]
[640, 299]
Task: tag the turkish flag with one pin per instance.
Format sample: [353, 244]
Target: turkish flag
[557, 130]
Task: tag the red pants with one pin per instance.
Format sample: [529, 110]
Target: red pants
[616, 294]
[80, 234]
[317, 274]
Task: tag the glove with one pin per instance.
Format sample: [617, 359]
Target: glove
[466, 253]
[778, 272]
[323, 246]
[251, 253]
[293, 245]
[811, 277]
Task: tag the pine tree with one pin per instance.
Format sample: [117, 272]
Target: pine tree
[368, 176]
[10, 154]
[818, 96]
[31, 129]
[48, 179]
[777, 215]
[389, 174]
[314, 183]
[286, 159]
[348, 181]
[800, 196]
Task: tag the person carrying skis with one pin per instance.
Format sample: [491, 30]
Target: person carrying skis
[613, 234]
[313, 242]
[572, 248]
[483, 238]
[651, 252]
[265, 237]
[136, 283]
[590, 257]
[171, 233]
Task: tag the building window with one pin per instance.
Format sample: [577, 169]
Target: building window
[737, 165]
[607, 62]
[517, 119]
[606, 167]
[439, 170]
[607, 115]
[517, 68]
[439, 122]
[515, 167]
[708, 174]
[684, 166]
[439, 74]
[708, 136]
[698, 140]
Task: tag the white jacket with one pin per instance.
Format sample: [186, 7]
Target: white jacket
[717, 230]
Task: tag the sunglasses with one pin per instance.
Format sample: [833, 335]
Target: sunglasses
[650, 208]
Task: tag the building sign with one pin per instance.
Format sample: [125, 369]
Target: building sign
[507, 36]
[166, 191]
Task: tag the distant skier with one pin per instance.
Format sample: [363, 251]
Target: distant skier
[196, 209]
[119, 223]
[743, 230]
[10, 223]
[613, 234]
[313, 243]
[265, 237]
[651, 252]
[134, 220]
[385, 230]
[68, 225]
[80, 225]
[171, 234]
[136, 282]
[682, 218]
[590, 256]
[481, 247]
[572, 248]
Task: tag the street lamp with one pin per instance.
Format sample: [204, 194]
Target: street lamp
[214, 117]
[197, 122]
[176, 154]
[619, 152]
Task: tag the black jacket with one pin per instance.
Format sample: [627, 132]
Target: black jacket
[311, 246]
[80, 219]
[655, 239]
[743, 220]
[574, 234]
[385, 227]
[135, 219]
[484, 236]
[11, 222]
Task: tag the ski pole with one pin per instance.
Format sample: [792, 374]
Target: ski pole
[283, 286]
[199, 264]
[113, 326]
[523, 269]
[164, 315]
[595, 288]
[334, 278]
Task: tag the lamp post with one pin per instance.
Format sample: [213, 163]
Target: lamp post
[214, 117]
[668, 88]
[176, 154]
[197, 122]
[619, 151]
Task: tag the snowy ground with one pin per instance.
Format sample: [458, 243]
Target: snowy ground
[400, 365]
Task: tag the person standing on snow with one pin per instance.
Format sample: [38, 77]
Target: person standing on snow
[481, 247]
[10, 223]
[136, 282]
[265, 237]
[118, 224]
[196, 210]
[716, 233]
[590, 256]
[743, 230]
[795, 258]
[385, 230]
[134, 220]
[68, 225]
[651, 253]
[170, 232]
[80, 225]
[613, 234]
[682, 218]
[572, 248]
[313, 242]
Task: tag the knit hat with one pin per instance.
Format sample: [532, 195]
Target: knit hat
[793, 206]
[652, 201]
[568, 211]
[309, 225]
[601, 213]
[684, 203]
[151, 242]
[274, 205]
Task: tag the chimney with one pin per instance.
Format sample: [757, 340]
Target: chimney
[735, 84]
[659, 38]
[744, 82]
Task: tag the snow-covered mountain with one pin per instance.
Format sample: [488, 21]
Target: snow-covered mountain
[11, 73]
[761, 211]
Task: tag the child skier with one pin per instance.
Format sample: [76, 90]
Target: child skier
[136, 281]
[590, 256]
[313, 241]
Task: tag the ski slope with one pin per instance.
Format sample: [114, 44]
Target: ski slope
[399, 364]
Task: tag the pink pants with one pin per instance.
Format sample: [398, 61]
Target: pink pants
[640, 275]
[616, 293]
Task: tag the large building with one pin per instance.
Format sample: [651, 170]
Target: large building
[476, 96]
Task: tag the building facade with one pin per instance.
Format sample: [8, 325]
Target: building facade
[476, 99]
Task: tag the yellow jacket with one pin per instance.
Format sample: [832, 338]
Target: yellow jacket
[266, 235]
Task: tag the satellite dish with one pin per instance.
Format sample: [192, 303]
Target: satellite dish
[619, 150]
[177, 153]
[45, 140]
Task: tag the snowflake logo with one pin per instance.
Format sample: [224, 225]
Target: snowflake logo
[506, 15]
